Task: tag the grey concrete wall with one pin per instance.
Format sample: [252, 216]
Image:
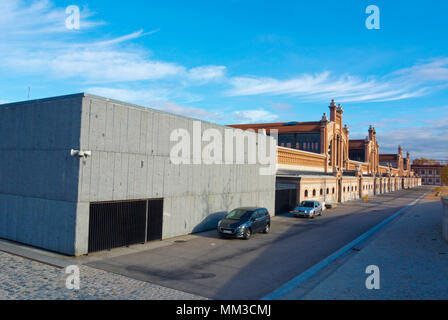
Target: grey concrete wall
[38, 177]
[130, 160]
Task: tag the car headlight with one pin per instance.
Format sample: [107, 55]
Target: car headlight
[241, 227]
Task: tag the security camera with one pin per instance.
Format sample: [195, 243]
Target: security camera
[80, 154]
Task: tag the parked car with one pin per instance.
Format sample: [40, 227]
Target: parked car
[308, 209]
[243, 222]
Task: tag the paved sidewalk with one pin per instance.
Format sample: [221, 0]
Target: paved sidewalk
[22, 278]
[410, 253]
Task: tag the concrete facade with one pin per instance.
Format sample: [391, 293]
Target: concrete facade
[45, 193]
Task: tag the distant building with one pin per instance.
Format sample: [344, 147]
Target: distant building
[318, 161]
[430, 173]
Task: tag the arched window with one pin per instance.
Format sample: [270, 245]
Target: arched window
[306, 193]
[328, 190]
[321, 192]
[314, 192]
[344, 189]
[333, 190]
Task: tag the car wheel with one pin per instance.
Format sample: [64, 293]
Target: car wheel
[247, 234]
[267, 228]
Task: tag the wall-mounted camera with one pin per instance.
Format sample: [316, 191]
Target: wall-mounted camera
[80, 154]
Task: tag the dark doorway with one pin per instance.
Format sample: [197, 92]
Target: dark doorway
[285, 200]
[339, 190]
[123, 223]
[155, 220]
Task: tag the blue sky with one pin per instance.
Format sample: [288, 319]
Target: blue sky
[243, 61]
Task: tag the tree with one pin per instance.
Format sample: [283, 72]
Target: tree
[424, 161]
[444, 175]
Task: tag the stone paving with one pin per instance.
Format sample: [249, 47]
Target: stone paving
[21, 278]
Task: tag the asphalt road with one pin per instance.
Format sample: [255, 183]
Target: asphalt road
[236, 269]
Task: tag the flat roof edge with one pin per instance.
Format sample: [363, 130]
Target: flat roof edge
[68, 96]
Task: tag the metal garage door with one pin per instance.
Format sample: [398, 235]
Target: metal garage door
[119, 224]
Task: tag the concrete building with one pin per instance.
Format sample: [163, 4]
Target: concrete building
[81, 173]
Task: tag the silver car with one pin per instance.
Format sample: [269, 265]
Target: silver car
[308, 209]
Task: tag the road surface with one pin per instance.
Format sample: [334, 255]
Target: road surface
[236, 269]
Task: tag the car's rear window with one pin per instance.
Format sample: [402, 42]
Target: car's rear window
[307, 204]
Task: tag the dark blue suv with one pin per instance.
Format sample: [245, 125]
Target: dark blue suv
[243, 222]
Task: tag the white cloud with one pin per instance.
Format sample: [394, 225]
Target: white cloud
[207, 73]
[428, 140]
[434, 70]
[142, 96]
[96, 65]
[252, 116]
[21, 18]
[402, 84]
[192, 112]
[64, 54]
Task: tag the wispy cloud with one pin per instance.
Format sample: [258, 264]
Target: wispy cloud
[131, 36]
[402, 84]
[206, 74]
[21, 18]
[96, 65]
[85, 59]
[253, 116]
[427, 140]
[187, 111]
[160, 99]
[141, 96]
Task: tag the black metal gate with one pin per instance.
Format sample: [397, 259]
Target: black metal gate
[285, 200]
[155, 220]
[123, 223]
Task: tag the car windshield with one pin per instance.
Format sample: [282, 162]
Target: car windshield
[307, 204]
[239, 214]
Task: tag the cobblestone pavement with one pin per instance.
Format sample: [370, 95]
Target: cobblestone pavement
[21, 278]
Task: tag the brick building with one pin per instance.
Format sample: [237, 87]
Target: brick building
[318, 161]
[429, 173]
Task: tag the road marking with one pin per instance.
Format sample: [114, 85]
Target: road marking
[295, 282]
